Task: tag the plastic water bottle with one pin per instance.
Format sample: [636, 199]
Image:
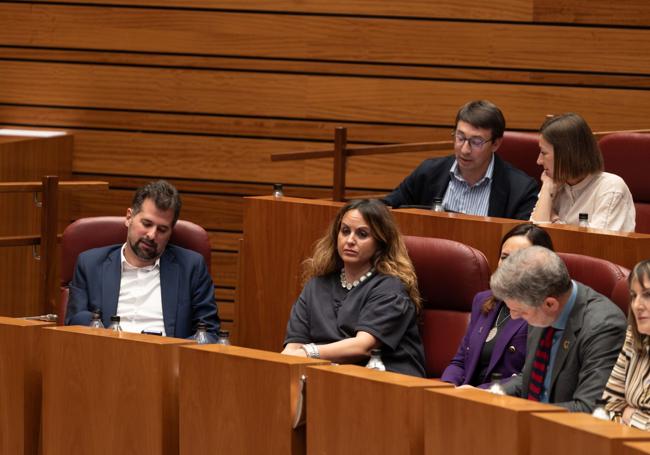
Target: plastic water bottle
[583, 220]
[96, 322]
[437, 205]
[375, 362]
[201, 335]
[224, 337]
[115, 324]
[277, 190]
[599, 411]
[495, 384]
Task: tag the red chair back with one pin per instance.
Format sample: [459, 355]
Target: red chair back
[449, 275]
[87, 233]
[521, 150]
[625, 155]
[601, 275]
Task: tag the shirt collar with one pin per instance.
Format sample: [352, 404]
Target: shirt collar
[455, 172]
[126, 266]
[561, 322]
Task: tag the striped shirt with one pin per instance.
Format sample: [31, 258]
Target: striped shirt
[470, 199]
[629, 383]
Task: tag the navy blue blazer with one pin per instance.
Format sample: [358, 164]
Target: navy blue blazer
[513, 193]
[186, 289]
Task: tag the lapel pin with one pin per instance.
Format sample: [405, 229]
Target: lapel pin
[565, 345]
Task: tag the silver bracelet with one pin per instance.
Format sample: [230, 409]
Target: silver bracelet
[311, 350]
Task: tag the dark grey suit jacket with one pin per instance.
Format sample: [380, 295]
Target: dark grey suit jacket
[588, 350]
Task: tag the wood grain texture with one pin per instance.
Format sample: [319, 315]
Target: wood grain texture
[474, 9]
[629, 12]
[351, 409]
[579, 433]
[120, 389]
[500, 424]
[20, 386]
[308, 97]
[332, 38]
[636, 448]
[239, 401]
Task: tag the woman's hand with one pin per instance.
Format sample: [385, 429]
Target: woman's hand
[548, 185]
[626, 418]
[294, 349]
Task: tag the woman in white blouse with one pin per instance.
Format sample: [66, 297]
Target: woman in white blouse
[628, 389]
[573, 181]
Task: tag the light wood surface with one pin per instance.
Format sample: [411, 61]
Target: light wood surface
[463, 421]
[636, 448]
[329, 38]
[579, 433]
[351, 409]
[28, 159]
[20, 385]
[239, 401]
[106, 393]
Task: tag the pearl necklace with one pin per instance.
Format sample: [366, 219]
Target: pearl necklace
[355, 283]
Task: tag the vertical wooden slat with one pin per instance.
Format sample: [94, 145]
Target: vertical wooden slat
[340, 142]
[48, 281]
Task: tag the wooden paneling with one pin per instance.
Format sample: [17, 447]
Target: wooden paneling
[308, 97]
[628, 12]
[473, 9]
[330, 38]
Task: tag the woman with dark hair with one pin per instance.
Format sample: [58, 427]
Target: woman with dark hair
[494, 342]
[628, 389]
[361, 293]
[573, 181]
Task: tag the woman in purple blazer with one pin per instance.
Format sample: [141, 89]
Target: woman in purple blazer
[494, 342]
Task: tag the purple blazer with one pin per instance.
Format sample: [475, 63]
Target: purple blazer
[509, 351]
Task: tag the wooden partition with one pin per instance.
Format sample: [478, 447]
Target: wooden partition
[463, 421]
[579, 433]
[28, 158]
[636, 448]
[240, 401]
[351, 409]
[280, 233]
[106, 392]
[20, 385]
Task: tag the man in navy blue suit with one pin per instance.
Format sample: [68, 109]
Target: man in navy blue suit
[153, 286]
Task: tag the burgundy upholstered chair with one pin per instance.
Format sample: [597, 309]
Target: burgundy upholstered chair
[87, 233]
[601, 275]
[449, 275]
[627, 155]
[521, 150]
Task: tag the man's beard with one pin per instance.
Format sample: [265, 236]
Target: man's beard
[145, 254]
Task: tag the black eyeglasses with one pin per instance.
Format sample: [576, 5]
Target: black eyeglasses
[475, 142]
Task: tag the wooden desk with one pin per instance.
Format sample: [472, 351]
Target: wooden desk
[27, 159]
[280, 233]
[20, 385]
[467, 421]
[351, 409]
[108, 393]
[579, 433]
[636, 448]
[239, 401]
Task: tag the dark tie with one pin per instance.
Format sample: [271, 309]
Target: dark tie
[540, 364]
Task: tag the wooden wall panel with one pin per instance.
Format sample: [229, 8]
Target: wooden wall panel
[628, 12]
[330, 38]
[474, 9]
[309, 97]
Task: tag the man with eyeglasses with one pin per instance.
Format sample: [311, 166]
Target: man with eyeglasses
[474, 180]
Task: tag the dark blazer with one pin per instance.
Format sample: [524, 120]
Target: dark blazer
[508, 354]
[513, 193]
[589, 347]
[186, 289]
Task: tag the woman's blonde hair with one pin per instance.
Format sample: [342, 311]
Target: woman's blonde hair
[390, 257]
